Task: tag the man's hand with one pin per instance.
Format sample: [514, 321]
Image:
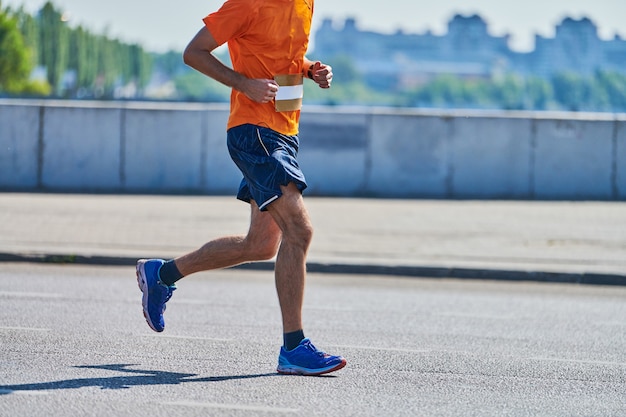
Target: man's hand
[322, 74]
[260, 90]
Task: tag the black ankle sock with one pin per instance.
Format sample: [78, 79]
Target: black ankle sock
[169, 273]
[293, 339]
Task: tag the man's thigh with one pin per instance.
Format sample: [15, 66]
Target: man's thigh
[289, 210]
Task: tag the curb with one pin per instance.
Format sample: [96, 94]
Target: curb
[356, 269]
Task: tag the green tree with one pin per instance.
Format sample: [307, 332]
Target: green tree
[613, 85]
[29, 28]
[570, 91]
[142, 64]
[169, 63]
[508, 93]
[14, 60]
[79, 58]
[54, 44]
[350, 93]
[193, 86]
[344, 70]
[539, 93]
[89, 72]
[442, 91]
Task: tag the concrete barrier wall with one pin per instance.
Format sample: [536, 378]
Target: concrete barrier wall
[20, 160]
[181, 148]
[619, 162]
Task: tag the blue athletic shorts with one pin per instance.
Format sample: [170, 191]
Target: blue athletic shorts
[267, 160]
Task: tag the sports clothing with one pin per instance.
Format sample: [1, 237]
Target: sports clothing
[265, 38]
[306, 359]
[155, 293]
[267, 160]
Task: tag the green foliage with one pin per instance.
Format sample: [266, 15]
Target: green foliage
[352, 93]
[190, 84]
[77, 62]
[570, 90]
[347, 88]
[605, 91]
[14, 60]
[36, 88]
[566, 91]
[614, 87]
[344, 70]
[29, 27]
[539, 93]
[193, 86]
[509, 92]
[169, 63]
[54, 45]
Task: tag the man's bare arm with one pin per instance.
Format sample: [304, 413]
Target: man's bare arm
[199, 56]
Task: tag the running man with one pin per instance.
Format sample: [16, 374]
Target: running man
[267, 42]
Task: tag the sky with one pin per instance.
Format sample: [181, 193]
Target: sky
[160, 25]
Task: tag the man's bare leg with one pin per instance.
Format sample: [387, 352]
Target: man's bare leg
[293, 219]
[286, 219]
[259, 244]
[301, 358]
[156, 277]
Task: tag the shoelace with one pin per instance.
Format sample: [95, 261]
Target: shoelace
[170, 290]
[315, 350]
[168, 295]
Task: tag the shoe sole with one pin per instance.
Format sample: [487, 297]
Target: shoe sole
[142, 282]
[296, 370]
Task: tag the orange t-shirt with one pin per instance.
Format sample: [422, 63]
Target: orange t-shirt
[265, 38]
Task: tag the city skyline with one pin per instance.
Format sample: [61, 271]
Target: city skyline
[401, 61]
[160, 26]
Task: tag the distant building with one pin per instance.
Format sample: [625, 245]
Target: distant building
[577, 48]
[467, 50]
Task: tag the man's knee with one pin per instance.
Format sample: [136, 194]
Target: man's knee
[292, 217]
[299, 232]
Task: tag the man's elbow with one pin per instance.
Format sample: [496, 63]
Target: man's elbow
[188, 55]
[198, 48]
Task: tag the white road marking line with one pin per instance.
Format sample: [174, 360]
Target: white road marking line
[211, 339]
[254, 408]
[478, 316]
[385, 349]
[581, 361]
[17, 294]
[8, 391]
[24, 329]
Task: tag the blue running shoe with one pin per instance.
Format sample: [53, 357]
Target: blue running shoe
[155, 293]
[306, 359]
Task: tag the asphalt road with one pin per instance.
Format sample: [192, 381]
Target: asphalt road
[75, 343]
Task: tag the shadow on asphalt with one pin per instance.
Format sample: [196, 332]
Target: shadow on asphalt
[139, 377]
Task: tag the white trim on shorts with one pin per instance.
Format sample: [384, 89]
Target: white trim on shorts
[262, 206]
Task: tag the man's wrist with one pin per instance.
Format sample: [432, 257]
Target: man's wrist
[307, 69]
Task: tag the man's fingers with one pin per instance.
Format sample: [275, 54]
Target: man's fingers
[317, 65]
